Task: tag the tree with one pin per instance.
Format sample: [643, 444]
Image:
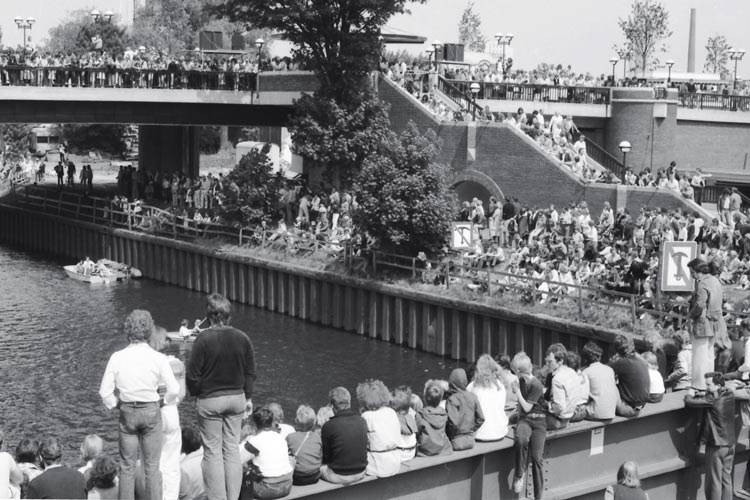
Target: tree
[470, 30]
[14, 143]
[337, 139]
[717, 56]
[645, 31]
[164, 26]
[82, 138]
[249, 194]
[338, 40]
[74, 35]
[404, 197]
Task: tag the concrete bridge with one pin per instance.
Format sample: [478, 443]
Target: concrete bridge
[489, 159]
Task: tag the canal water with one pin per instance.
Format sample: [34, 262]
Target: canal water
[56, 335]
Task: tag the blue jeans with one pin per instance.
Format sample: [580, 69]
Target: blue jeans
[140, 427]
[220, 421]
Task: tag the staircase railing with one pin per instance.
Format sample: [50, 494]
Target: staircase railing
[458, 96]
[603, 158]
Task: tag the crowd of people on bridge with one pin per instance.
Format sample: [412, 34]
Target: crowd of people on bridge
[245, 449]
[136, 67]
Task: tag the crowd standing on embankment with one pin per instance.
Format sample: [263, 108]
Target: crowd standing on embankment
[245, 449]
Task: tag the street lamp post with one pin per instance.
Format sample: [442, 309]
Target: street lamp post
[436, 46]
[106, 17]
[259, 42]
[669, 64]
[614, 60]
[429, 57]
[624, 54]
[625, 148]
[474, 91]
[24, 24]
[736, 56]
[504, 41]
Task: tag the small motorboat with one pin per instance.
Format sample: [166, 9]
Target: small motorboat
[73, 272]
[102, 271]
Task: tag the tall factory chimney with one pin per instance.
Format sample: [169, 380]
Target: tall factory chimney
[691, 44]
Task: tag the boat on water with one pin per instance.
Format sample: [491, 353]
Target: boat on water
[101, 271]
[176, 337]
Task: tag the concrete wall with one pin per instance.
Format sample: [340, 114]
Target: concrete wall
[716, 147]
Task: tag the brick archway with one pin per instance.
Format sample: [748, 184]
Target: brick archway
[477, 182]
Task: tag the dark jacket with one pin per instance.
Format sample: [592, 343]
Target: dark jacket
[222, 363]
[431, 434]
[58, 482]
[464, 412]
[717, 428]
[345, 443]
[633, 380]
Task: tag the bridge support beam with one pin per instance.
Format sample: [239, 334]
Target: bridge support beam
[169, 149]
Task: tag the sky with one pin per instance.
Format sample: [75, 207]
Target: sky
[576, 32]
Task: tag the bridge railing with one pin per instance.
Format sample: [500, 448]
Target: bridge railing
[603, 158]
[460, 96]
[529, 92]
[127, 78]
[714, 101]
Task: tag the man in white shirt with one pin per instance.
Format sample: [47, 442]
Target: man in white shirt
[563, 385]
[136, 372]
[698, 182]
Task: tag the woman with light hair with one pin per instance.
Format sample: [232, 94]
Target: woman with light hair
[91, 448]
[628, 484]
[491, 394]
[383, 429]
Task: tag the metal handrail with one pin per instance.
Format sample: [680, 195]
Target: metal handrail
[105, 77]
[603, 158]
[714, 101]
[507, 91]
[459, 96]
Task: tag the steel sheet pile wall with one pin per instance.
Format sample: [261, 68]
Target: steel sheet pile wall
[419, 320]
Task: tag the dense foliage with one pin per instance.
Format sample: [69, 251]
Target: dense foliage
[338, 139]
[338, 40]
[75, 34]
[404, 197]
[14, 143]
[250, 192]
[88, 137]
[717, 56]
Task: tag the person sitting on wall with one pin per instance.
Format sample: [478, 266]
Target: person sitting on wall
[345, 441]
[633, 381]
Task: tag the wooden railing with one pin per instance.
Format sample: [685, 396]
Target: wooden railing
[587, 300]
[529, 92]
[127, 78]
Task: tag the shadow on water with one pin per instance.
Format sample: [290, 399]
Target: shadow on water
[57, 335]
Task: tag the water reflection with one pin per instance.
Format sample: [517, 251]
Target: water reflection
[57, 335]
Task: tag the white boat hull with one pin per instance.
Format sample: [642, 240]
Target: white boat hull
[72, 272]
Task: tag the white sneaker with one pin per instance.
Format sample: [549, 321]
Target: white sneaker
[518, 484]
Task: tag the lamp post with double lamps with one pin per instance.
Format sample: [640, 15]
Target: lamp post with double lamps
[24, 24]
[736, 56]
[436, 47]
[503, 41]
[614, 60]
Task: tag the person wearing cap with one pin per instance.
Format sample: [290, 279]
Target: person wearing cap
[707, 323]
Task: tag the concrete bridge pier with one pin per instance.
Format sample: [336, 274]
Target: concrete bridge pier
[169, 149]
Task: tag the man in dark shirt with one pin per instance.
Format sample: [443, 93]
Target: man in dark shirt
[344, 441]
[633, 380]
[220, 375]
[56, 481]
[718, 432]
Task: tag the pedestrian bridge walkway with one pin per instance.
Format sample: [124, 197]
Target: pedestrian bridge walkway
[158, 99]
